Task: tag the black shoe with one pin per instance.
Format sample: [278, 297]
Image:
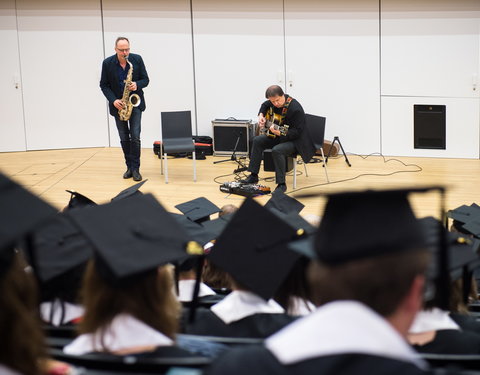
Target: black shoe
[281, 187]
[136, 175]
[252, 179]
[128, 173]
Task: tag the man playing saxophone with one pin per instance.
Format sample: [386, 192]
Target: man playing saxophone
[123, 78]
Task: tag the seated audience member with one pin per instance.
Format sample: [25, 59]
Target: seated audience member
[22, 348]
[252, 250]
[369, 278]
[434, 329]
[59, 256]
[227, 209]
[187, 274]
[128, 293]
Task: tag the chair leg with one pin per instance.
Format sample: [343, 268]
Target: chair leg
[194, 166]
[166, 168]
[161, 158]
[324, 164]
[305, 168]
[295, 172]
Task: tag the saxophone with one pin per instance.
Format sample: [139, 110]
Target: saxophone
[129, 101]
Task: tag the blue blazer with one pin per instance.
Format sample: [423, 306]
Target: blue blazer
[109, 82]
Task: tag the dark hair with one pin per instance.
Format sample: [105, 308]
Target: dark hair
[273, 91]
[215, 277]
[379, 282]
[295, 285]
[121, 38]
[149, 298]
[22, 345]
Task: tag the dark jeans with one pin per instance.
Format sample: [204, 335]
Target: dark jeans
[279, 153]
[129, 132]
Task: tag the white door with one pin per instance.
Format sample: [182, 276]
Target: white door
[332, 55]
[239, 52]
[60, 55]
[12, 126]
[159, 31]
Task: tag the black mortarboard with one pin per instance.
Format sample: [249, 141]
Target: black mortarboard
[195, 232]
[78, 200]
[464, 213]
[131, 236]
[365, 224]
[58, 246]
[253, 249]
[21, 211]
[284, 203]
[130, 191]
[198, 209]
[216, 226]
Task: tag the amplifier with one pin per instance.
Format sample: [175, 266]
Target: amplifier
[230, 133]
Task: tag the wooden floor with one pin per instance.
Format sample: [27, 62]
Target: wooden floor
[97, 173]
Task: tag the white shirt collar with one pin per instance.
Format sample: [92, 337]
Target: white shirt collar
[239, 304]
[186, 287]
[338, 328]
[300, 307]
[72, 312]
[432, 320]
[124, 332]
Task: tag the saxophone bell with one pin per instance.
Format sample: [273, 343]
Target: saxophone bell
[135, 100]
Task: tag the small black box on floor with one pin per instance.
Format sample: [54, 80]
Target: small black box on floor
[230, 132]
[268, 165]
[429, 126]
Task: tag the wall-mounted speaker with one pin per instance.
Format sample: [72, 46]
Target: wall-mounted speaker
[429, 126]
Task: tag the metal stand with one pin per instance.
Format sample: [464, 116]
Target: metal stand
[336, 139]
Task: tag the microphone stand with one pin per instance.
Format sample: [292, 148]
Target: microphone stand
[234, 156]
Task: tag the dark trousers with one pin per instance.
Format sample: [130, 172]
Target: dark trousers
[129, 132]
[280, 150]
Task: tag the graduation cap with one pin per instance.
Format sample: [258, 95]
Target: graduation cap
[78, 200]
[58, 246]
[216, 226]
[198, 209]
[253, 249]
[463, 255]
[466, 219]
[21, 212]
[130, 191]
[284, 203]
[195, 231]
[131, 237]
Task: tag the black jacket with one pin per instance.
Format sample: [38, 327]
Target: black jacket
[109, 82]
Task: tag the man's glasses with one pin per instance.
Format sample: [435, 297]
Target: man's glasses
[123, 50]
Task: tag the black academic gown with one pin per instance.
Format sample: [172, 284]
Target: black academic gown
[466, 322]
[452, 341]
[259, 361]
[254, 326]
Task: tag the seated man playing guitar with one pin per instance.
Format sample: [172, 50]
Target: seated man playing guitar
[282, 120]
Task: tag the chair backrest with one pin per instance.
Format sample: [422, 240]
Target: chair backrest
[177, 124]
[316, 128]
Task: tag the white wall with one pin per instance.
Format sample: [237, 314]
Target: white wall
[332, 54]
[360, 63]
[430, 55]
[238, 54]
[60, 49]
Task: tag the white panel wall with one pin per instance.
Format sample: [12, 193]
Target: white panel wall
[60, 50]
[160, 31]
[430, 55]
[332, 51]
[462, 139]
[12, 128]
[239, 52]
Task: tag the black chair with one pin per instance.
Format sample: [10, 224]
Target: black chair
[100, 362]
[316, 128]
[177, 137]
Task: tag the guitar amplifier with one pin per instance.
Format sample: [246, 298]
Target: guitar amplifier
[228, 133]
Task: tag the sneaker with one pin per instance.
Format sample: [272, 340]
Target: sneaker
[281, 187]
[252, 179]
[128, 173]
[136, 175]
